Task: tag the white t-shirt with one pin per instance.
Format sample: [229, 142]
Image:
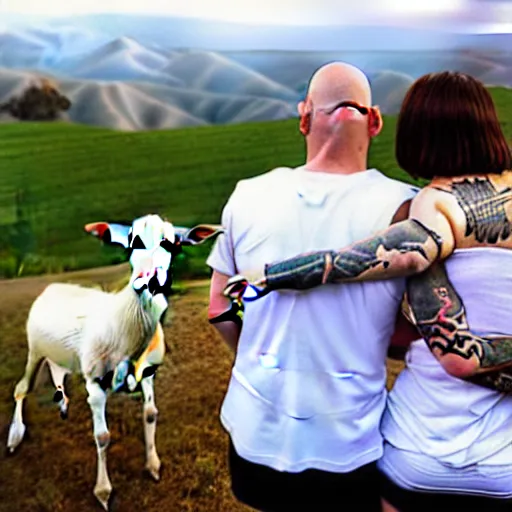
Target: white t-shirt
[307, 389]
[453, 421]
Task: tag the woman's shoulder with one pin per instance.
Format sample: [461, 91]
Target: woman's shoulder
[479, 207]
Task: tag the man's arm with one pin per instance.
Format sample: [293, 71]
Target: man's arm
[225, 315]
[440, 317]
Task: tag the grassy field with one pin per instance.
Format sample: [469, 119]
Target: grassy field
[54, 178]
[66, 176]
[55, 467]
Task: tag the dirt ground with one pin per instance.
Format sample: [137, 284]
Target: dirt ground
[54, 468]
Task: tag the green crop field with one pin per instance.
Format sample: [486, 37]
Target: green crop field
[56, 177]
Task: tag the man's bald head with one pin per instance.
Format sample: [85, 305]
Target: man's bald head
[337, 82]
[337, 136]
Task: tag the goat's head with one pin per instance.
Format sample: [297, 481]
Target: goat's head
[151, 244]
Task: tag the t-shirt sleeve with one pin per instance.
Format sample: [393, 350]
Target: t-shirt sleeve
[222, 256]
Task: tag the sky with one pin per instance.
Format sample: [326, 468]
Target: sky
[496, 15]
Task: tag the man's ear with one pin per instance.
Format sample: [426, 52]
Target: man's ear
[305, 124]
[305, 117]
[375, 121]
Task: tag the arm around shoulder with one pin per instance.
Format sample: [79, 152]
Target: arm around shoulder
[404, 249]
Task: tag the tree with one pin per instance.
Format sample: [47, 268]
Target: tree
[37, 103]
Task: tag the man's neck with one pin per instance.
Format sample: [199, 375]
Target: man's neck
[341, 159]
[334, 167]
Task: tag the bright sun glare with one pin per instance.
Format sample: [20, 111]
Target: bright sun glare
[262, 11]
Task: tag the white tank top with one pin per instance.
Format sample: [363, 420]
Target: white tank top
[308, 386]
[433, 413]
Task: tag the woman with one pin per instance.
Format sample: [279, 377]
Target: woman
[447, 440]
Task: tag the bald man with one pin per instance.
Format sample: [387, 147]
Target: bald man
[307, 388]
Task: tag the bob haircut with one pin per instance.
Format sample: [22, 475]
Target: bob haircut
[448, 126]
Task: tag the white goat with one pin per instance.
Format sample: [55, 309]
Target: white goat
[115, 340]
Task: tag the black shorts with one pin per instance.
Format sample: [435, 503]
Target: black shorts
[405, 500]
[312, 490]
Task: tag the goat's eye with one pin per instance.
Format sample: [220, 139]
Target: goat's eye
[138, 243]
[165, 244]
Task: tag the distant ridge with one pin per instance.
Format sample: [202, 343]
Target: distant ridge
[126, 73]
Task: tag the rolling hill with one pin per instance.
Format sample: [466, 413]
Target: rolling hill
[130, 73]
[65, 176]
[133, 106]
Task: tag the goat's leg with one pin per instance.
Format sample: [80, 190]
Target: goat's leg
[97, 401]
[58, 375]
[149, 416]
[17, 428]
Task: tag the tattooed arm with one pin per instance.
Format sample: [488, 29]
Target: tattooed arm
[440, 317]
[404, 249]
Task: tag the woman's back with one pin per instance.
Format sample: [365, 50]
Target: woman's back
[448, 437]
[431, 412]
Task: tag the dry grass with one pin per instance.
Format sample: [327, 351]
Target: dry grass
[55, 466]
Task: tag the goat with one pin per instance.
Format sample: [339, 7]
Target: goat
[115, 340]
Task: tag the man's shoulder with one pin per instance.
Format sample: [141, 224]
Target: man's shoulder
[393, 185]
[264, 180]
[385, 198]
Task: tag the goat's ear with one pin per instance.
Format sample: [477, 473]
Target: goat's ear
[198, 234]
[110, 232]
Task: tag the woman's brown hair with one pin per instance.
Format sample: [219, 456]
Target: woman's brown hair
[448, 126]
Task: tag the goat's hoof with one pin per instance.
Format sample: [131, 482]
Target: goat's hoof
[16, 434]
[103, 496]
[10, 451]
[155, 474]
[153, 471]
[64, 411]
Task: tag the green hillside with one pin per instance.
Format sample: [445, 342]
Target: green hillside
[54, 178]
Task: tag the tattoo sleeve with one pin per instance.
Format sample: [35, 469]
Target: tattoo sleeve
[440, 317]
[404, 249]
